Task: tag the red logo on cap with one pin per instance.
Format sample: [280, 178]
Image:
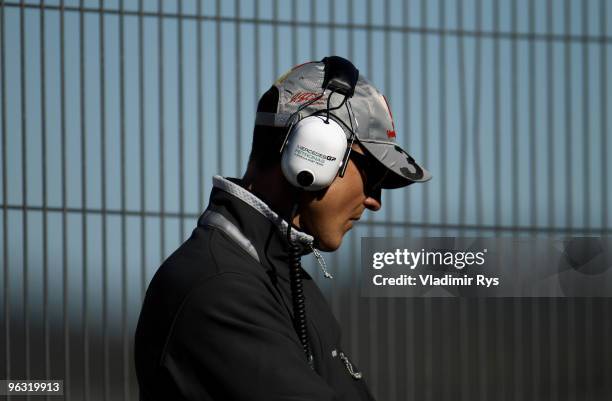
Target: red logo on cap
[303, 97]
[390, 132]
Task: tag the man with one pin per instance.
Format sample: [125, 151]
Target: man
[231, 315]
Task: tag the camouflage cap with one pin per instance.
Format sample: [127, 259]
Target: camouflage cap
[371, 119]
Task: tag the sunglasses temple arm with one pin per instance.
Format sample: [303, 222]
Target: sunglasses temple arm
[347, 153]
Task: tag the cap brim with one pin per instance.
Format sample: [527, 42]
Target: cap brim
[403, 169]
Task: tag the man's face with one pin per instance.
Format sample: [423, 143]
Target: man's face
[329, 214]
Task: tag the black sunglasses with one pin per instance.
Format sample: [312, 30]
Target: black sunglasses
[373, 170]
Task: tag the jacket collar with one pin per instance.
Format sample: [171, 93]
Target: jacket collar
[266, 230]
[233, 187]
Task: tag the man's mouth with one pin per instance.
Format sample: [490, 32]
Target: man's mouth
[351, 220]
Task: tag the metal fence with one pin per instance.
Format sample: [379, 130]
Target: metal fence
[115, 114]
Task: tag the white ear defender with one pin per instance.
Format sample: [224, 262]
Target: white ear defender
[316, 149]
[314, 153]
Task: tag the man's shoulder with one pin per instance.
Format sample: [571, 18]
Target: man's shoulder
[207, 255]
[203, 268]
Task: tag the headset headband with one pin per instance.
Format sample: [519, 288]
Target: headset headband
[340, 75]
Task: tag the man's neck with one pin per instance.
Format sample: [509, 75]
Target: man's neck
[271, 187]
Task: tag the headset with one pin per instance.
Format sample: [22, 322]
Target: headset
[315, 148]
[314, 151]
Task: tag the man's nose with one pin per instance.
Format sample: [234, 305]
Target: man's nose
[373, 200]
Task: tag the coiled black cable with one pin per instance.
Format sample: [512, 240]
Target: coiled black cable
[297, 293]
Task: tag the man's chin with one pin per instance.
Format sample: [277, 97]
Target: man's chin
[328, 244]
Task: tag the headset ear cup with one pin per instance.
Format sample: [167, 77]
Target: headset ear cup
[313, 153]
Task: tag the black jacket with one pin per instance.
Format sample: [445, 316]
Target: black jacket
[217, 325]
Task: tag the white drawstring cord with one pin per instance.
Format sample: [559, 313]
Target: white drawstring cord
[321, 261]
